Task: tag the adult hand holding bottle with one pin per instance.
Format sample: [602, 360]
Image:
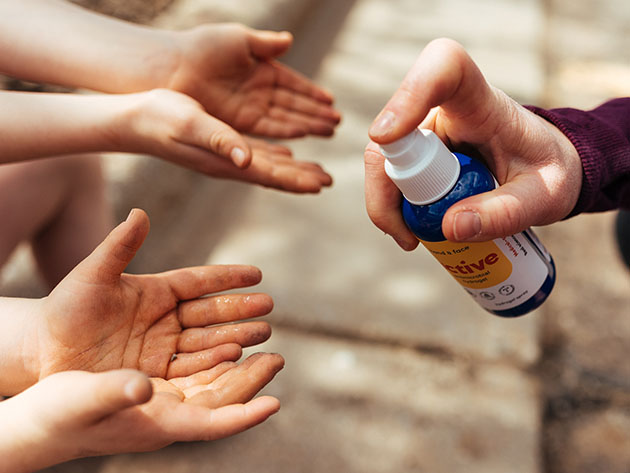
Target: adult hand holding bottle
[536, 165]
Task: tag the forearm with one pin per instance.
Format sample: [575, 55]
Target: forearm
[602, 139]
[19, 453]
[39, 125]
[28, 444]
[57, 42]
[19, 363]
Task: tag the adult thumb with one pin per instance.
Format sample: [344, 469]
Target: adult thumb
[509, 209]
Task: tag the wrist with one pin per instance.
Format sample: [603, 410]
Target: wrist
[16, 448]
[19, 341]
[61, 123]
[31, 443]
[131, 57]
[19, 449]
[136, 126]
[152, 64]
[568, 169]
[572, 162]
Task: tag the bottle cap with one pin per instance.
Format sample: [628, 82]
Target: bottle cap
[421, 166]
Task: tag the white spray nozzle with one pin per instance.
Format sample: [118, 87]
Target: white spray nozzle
[421, 166]
[397, 150]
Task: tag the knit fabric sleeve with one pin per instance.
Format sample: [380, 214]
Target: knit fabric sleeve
[602, 139]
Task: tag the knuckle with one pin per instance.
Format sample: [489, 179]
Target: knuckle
[183, 123]
[508, 216]
[220, 140]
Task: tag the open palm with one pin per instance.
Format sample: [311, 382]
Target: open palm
[76, 413]
[230, 69]
[99, 319]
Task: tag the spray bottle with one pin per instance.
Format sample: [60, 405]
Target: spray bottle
[508, 276]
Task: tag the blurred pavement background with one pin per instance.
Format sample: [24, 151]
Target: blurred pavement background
[390, 366]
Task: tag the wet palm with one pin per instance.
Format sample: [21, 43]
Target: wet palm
[99, 319]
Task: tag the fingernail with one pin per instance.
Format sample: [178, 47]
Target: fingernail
[383, 124]
[238, 156]
[130, 214]
[134, 388]
[466, 225]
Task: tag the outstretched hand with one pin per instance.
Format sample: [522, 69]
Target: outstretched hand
[537, 167]
[175, 127]
[75, 414]
[231, 70]
[168, 325]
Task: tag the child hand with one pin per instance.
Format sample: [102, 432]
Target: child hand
[231, 70]
[175, 127]
[538, 168]
[160, 123]
[76, 414]
[99, 319]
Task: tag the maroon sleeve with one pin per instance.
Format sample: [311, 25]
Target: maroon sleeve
[602, 139]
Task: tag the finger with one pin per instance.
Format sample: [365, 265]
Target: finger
[230, 420]
[244, 334]
[163, 386]
[383, 200]
[84, 397]
[278, 172]
[240, 384]
[293, 80]
[274, 170]
[201, 379]
[197, 159]
[222, 309]
[282, 124]
[290, 176]
[111, 257]
[186, 364]
[443, 75]
[269, 44]
[272, 149]
[505, 211]
[194, 423]
[272, 166]
[275, 127]
[312, 125]
[194, 282]
[212, 135]
[304, 105]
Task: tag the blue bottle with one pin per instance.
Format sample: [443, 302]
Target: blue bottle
[508, 276]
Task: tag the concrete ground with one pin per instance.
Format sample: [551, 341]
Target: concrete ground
[390, 366]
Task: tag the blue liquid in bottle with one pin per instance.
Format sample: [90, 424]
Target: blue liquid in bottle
[508, 276]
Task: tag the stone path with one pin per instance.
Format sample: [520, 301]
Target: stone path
[390, 366]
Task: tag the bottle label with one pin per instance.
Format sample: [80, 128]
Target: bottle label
[486, 269]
